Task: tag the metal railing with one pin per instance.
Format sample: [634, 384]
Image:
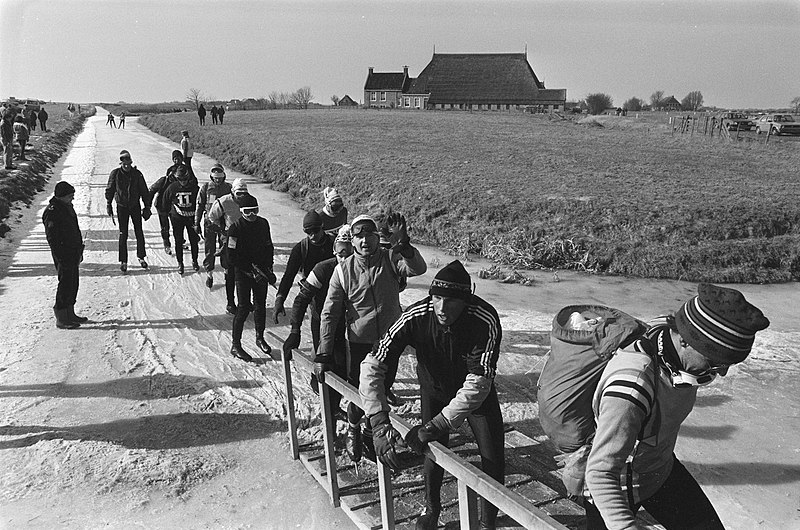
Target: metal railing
[471, 481]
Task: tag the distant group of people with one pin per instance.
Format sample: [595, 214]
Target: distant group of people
[15, 131]
[352, 273]
[217, 114]
[112, 122]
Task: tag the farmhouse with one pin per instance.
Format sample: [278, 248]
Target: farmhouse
[669, 103]
[466, 81]
[347, 101]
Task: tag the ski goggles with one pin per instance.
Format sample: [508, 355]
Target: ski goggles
[363, 229]
[249, 211]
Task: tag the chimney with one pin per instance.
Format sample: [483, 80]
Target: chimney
[405, 70]
[370, 70]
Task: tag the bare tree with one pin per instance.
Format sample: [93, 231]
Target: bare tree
[302, 97]
[284, 98]
[195, 97]
[598, 102]
[634, 104]
[796, 104]
[335, 100]
[656, 98]
[692, 101]
[272, 100]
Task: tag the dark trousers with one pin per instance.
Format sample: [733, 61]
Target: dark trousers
[43, 125]
[210, 237]
[244, 287]
[135, 216]
[214, 119]
[357, 352]
[187, 161]
[163, 220]
[67, 290]
[179, 223]
[22, 144]
[679, 504]
[487, 428]
[230, 276]
[221, 116]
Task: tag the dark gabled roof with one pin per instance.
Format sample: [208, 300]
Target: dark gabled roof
[480, 78]
[669, 101]
[347, 100]
[386, 81]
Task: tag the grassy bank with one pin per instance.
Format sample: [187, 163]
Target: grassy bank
[42, 152]
[618, 196]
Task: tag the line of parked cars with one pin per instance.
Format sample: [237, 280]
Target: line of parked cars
[772, 123]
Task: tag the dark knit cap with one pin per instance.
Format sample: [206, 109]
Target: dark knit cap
[452, 281]
[247, 201]
[720, 324]
[180, 172]
[124, 155]
[63, 189]
[312, 220]
[178, 154]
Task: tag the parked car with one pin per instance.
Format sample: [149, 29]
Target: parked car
[736, 120]
[778, 124]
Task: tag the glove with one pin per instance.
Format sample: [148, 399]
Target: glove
[110, 209]
[197, 230]
[278, 309]
[291, 342]
[271, 278]
[419, 436]
[397, 225]
[146, 213]
[320, 369]
[386, 440]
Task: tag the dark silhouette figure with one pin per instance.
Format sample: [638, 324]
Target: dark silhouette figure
[201, 112]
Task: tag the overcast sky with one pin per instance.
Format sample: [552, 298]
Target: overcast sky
[738, 53]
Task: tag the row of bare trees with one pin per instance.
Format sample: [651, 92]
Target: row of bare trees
[299, 99]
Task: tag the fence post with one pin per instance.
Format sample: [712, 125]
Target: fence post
[328, 432]
[385, 493]
[291, 418]
[467, 507]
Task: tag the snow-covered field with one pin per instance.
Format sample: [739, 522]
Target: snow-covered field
[141, 419]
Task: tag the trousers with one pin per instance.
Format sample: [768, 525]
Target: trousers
[124, 214]
[179, 224]
[67, 290]
[244, 287]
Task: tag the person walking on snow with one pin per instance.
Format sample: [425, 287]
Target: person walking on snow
[21, 135]
[221, 113]
[251, 253]
[367, 287]
[157, 193]
[121, 121]
[182, 198]
[223, 213]
[645, 393]
[66, 245]
[110, 121]
[186, 149]
[456, 338]
[7, 135]
[334, 213]
[126, 186]
[209, 192]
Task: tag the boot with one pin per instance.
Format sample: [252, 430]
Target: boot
[210, 280]
[238, 352]
[180, 269]
[75, 318]
[262, 344]
[123, 266]
[195, 265]
[429, 520]
[231, 309]
[143, 263]
[352, 442]
[63, 321]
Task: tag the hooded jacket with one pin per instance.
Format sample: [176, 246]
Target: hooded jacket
[366, 290]
[128, 188]
[62, 231]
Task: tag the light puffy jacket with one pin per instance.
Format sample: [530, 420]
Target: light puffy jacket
[366, 289]
[223, 213]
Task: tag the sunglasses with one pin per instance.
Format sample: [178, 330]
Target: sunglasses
[363, 229]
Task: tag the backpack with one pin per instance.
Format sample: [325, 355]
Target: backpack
[583, 339]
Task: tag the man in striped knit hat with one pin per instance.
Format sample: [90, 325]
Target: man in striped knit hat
[645, 393]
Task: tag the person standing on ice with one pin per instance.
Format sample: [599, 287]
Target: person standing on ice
[366, 288]
[157, 193]
[645, 393]
[66, 246]
[209, 191]
[223, 213]
[456, 338]
[251, 252]
[127, 187]
[187, 150]
[334, 213]
[181, 196]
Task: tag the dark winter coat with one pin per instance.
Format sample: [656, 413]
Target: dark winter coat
[160, 186]
[128, 188]
[62, 232]
[7, 132]
[182, 198]
[250, 242]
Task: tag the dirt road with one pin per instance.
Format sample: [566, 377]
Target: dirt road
[142, 419]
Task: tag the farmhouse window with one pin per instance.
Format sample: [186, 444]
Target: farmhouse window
[383, 96]
[416, 103]
[407, 102]
[373, 96]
